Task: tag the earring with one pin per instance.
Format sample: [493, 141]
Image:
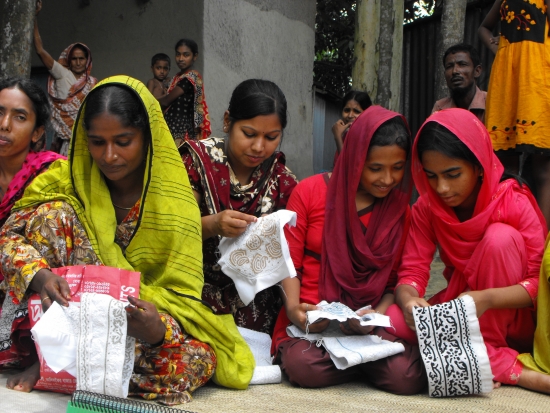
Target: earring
[225, 128]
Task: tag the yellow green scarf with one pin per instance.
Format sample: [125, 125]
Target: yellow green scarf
[167, 243]
[540, 359]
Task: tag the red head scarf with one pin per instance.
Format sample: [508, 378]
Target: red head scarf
[495, 202]
[355, 266]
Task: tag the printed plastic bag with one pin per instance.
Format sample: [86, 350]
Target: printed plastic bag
[116, 282]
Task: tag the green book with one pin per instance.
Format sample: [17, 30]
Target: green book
[83, 401]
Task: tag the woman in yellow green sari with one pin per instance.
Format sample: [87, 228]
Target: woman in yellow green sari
[539, 360]
[123, 199]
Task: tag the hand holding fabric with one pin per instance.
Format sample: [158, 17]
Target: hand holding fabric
[481, 301]
[353, 326]
[297, 315]
[408, 310]
[51, 288]
[231, 223]
[144, 322]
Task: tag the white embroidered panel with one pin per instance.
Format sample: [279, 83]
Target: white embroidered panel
[452, 348]
[259, 258]
[89, 341]
[105, 354]
[347, 351]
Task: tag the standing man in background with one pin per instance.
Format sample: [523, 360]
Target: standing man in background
[462, 68]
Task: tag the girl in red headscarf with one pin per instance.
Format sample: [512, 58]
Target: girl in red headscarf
[346, 245]
[490, 233]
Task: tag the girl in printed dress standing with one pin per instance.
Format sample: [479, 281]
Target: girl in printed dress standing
[186, 110]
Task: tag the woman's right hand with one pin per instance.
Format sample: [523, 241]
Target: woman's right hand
[38, 7]
[51, 288]
[408, 310]
[297, 315]
[339, 128]
[231, 223]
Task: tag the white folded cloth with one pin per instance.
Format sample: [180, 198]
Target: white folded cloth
[260, 345]
[90, 342]
[341, 312]
[347, 351]
[453, 349]
[57, 333]
[258, 258]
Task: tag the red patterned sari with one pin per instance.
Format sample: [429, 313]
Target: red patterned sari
[272, 183]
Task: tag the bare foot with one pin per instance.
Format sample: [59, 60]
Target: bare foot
[496, 384]
[25, 380]
[534, 380]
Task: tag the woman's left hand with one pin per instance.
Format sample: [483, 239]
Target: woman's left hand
[354, 327]
[481, 300]
[144, 321]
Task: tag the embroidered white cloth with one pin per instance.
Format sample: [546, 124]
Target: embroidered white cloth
[259, 257]
[260, 345]
[341, 312]
[347, 351]
[453, 349]
[89, 341]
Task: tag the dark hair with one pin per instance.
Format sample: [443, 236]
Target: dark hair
[392, 132]
[191, 44]
[162, 57]
[257, 97]
[362, 98]
[80, 47]
[40, 102]
[120, 101]
[436, 137]
[463, 47]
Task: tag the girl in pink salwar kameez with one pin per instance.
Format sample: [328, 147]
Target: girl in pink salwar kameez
[490, 234]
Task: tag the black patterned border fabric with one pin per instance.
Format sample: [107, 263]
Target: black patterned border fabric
[452, 348]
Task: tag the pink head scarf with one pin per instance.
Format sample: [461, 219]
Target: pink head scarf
[495, 199]
[356, 265]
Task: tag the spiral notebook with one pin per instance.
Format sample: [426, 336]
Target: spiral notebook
[83, 401]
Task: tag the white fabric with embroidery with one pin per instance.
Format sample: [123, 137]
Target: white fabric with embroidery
[452, 348]
[341, 312]
[260, 345]
[89, 341]
[348, 351]
[259, 258]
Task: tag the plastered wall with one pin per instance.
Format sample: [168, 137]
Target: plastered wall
[238, 39]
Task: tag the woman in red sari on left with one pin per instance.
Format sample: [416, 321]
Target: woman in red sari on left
[24, 113]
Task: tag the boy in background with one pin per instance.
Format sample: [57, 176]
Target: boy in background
[160, 66]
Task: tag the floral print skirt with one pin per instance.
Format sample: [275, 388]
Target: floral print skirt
[171, 372]
[167, 373]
